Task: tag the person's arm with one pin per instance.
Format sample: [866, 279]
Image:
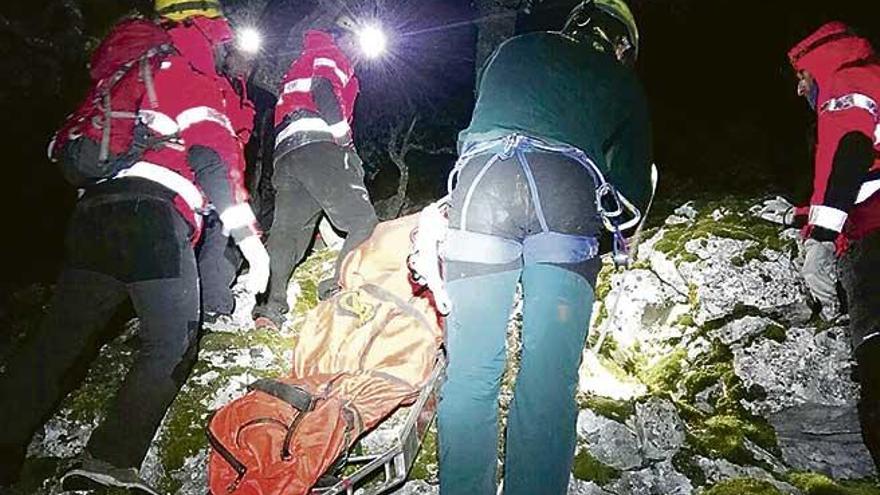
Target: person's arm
[330, 78]
[844, 154]
[214, 154]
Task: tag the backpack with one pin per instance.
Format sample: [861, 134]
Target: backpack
[360, 355]
[102, 136]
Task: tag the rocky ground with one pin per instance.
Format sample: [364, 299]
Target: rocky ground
[706, 372]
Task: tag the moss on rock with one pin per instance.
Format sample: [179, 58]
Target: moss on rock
[588, 468]
[665, 374]
[425, 466]
[618, 410]
[727, 218]
[743, 486]
[818, 484]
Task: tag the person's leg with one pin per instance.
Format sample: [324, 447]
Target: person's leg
[296, 218]
[467, 416]
[541, 425]
[857, 275]
[558, 280]
[53, 361]
[334, 177]
[868, 374]
[169, 313]
[216, 271]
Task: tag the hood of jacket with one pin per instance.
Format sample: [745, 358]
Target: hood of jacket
[828, 50]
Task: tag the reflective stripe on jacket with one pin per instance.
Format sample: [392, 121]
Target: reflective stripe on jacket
[299, 118]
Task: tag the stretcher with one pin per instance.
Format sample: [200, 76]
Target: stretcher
[380, 473]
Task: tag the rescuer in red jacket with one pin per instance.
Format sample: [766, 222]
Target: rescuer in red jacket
[132, 236]
[317, 169]
[839, 74]
[217, 261]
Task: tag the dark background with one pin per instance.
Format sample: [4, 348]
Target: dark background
[726, 118]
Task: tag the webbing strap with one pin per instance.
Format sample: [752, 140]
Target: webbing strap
[147, 78]
[298, 398]
[104, 152]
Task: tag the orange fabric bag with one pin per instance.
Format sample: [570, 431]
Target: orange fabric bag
[361, 355]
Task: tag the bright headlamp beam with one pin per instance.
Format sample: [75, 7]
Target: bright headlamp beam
[249, 40]
[372, 41]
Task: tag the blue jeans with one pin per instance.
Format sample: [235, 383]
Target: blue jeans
[541, 433]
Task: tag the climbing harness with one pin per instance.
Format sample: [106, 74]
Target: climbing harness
[612, 207]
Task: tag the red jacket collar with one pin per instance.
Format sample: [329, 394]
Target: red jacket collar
[827, 50]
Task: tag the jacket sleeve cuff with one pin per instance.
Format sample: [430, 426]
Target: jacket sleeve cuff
[827, 217]
[239, 222]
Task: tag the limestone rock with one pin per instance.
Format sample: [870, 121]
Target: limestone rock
[807, 368]
[658, 479]
[823, 438]
[659, 428]
[612, 443]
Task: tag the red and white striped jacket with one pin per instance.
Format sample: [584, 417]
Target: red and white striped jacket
[203, 161]
[317, 96]
[847, 73]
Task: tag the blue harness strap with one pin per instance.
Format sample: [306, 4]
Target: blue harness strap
[548, 246]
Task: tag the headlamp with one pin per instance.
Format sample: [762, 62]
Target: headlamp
[372, 40]
[249, 40]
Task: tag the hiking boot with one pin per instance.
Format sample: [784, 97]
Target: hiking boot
[267, 323]
[94, 474]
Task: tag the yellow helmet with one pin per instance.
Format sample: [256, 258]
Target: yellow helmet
[178, 10]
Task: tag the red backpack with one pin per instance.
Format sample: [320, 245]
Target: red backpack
[101, 137]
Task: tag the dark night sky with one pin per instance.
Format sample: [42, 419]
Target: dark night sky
[724, 111]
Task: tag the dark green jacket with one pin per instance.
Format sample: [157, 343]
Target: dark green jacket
[551, 87]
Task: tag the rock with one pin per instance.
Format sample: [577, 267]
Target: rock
[742, 330]
[581, 487]
[417, 487]
[660, 430]
[807, 368]
[716, 470]
[658, 479]
[596, 379]
[721, 287]
[687, 210]
[638, 300]
[610, 442]
[823, 438]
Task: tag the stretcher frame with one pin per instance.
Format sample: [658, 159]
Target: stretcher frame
[395, 463]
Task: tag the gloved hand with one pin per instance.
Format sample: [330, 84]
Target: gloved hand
[258, 260]
[820, 274]
[777, 210]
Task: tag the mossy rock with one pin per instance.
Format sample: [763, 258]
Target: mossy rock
[735, 222]
[588, 468]
[618, 410]
[743, 486]
[818, 484]
[666, 373]
[425, 466]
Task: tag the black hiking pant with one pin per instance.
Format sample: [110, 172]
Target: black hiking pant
[125, 240]
[218, 265]
[859, 268]
[311, 180]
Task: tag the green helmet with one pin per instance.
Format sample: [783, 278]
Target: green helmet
[608, 24]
